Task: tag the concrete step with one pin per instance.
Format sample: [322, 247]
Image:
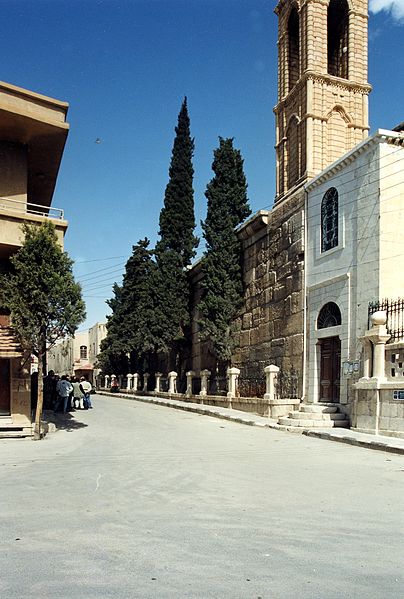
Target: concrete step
[317, 416]
[311, 423]
[318, 409]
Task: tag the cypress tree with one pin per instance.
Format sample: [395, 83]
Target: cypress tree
[176, 246]
[222, 282]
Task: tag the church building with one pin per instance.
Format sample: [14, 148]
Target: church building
[327, 255]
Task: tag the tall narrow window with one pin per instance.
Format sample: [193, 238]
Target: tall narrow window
[337, 33]
[83, 352]
[293, 48]
[329, 220]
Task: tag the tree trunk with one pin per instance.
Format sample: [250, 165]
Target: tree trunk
[39, 405]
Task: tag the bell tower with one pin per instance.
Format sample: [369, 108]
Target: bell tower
[322, 109]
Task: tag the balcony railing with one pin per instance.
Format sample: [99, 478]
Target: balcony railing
[395, 316]
[23, 207]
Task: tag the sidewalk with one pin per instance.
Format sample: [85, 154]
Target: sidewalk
[342, 435]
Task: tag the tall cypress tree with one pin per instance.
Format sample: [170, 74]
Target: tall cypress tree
[177, 219]
[176, 247]
[222, 282]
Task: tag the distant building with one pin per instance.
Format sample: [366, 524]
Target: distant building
[33, 131]
[77, 356]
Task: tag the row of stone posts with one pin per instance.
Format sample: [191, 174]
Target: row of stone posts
[233, 374]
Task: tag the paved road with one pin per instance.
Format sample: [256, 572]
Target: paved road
[139, 501]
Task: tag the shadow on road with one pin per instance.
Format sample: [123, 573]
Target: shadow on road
[66, 422]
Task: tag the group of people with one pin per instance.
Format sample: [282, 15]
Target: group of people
[63, 395]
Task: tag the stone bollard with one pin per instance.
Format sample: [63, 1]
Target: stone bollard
[190, 375]
[172, 382]
[232, 377]
[271, 372]
[158, 382]
[145, 380]
[106, 381]
[129, 382]
[135, 381]
[205, 374]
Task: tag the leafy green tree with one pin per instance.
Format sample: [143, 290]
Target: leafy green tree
[176, 246]
[222, 281]
[44, 300]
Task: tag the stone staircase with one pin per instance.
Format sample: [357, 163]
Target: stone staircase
[319, 415]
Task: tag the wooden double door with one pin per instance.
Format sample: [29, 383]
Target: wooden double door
[330, 369]
[5, 390]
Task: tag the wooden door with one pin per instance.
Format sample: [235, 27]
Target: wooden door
[330, 368]
[4, 387]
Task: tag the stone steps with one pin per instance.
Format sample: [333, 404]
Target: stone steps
[315, 416]
[305, 423]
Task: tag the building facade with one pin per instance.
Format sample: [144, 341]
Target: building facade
[77, 356]
[33, 131]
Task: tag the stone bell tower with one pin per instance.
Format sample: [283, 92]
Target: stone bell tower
[322, 109]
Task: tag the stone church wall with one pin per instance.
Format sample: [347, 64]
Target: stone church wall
[270, 324]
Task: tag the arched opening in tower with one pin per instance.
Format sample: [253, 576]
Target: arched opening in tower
[294, 48]
[338, 30]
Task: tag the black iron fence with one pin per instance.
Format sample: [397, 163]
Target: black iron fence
[395, 316]
[251, 386]
[217, 385]
[286, 384]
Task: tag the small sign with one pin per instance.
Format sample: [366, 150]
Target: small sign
[398, 394]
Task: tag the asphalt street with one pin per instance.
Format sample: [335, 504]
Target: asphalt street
[137, 501]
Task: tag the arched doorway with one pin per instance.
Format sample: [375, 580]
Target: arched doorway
[330, 355]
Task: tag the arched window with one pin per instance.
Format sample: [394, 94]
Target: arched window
[293, 151]
[293, 48]
[337, 35]
[330, 316]
[83, 352]
[329, 220]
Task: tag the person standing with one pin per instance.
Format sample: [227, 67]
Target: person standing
[86, 387]
[63, 388]
[78, 394]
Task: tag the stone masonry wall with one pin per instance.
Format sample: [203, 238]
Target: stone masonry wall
[270, 324]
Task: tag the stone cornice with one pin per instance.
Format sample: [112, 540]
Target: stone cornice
[258, 221]
[322, 78]
[381, 136]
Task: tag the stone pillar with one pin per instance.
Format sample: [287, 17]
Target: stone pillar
[271, 373]
[145, 380]
[172, 382]
[378, 336]
[158, 382]
[232, 376]
[190, 375]
[129, 382]
[205, 374]
[135, 381]
[106, 381]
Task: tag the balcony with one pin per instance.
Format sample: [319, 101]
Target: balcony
[13, 213]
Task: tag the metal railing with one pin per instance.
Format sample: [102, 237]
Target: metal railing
[286, 384]
[395, 316]
[23, 207]
[251, 386]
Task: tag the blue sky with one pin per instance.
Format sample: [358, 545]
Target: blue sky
[124, 66]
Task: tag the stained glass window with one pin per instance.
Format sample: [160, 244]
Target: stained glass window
[329, 220]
